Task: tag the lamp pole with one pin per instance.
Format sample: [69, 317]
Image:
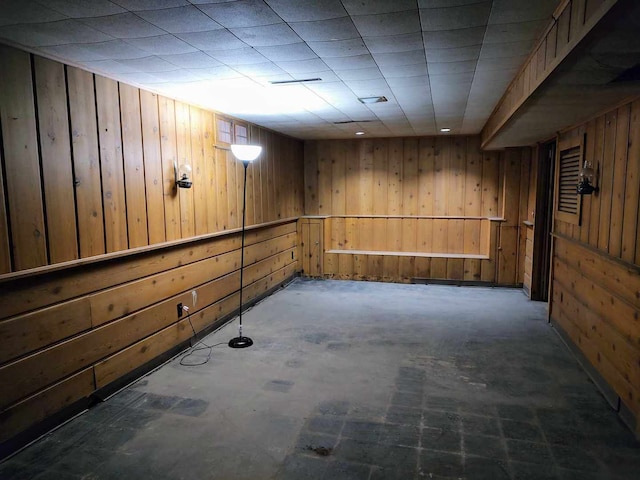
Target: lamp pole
[246, 154]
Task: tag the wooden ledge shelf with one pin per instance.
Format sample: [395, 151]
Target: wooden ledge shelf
[410, 254]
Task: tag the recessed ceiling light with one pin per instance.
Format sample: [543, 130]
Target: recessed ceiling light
[359, 133]
[370, 100]
[445, 130]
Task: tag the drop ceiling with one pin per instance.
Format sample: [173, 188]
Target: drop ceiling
[439, 63]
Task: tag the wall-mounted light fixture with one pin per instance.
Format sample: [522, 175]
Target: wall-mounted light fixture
[183, 175]
[587, 179]
[246, 154]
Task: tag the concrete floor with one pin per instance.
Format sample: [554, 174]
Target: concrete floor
[357, 380]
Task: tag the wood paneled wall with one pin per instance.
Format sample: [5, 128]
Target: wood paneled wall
[89, 167]
[97, 246]
[596, 264]
[419, 194]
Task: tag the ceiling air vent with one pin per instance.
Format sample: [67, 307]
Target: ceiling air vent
[288, 82]
[370, 100]
[344, 122]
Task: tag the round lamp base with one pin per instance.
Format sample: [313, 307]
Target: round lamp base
[240, 342]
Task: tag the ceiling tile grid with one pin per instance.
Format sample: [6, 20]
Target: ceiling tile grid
[439, 63]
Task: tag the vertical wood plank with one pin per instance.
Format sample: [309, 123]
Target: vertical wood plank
[426, 166]
[200, 186]
[442, 157]
[585, 214]
[310, 178]
[490, 170]
[394, 177]
[377, 152]
[472, 207]
[596, 200]
[22, 166]
[324, 179]
[222, 198]
[338, 179]
[133, 166]
[606, 188]
[152, 166]
[167, 115]
[619, 180]
[86, 162]
[111, 164]
[55, 152]
[183, 146]
[5, 252]
[352, 185]
[210, 178]
[632, 189]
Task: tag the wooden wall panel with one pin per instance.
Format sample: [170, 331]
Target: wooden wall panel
[152, 166]
[86, 162]
[55, 152]
[376, 190]
[21, 160]
[89, 168]
[111, 165]
[135, 186]
[596, 273]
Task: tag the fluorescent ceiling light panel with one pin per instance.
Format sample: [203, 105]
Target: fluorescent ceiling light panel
[371, 100]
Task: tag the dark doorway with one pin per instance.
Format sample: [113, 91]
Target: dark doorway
[543, 223]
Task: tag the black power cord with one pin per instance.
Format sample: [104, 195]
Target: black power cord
[195, 348]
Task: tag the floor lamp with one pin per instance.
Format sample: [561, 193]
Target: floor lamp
[246, 154]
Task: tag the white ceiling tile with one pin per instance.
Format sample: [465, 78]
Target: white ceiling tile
[304, 66]
[83, 8]
[370, 7]
[54, 33]
[19, 11]
[396, 43]
[267, 35]
[359, 74]
[213, 40]
[401, 82]
[369, 88]
[186, 19]
[461, 54]
[437, 68]
[418, 69]
[464, 37]
[260, 69]
[149, 64]
[457, 79]
[265, 80]
[177, 76]
[350, 63]
[498, 64]
[308, 11]
[116, 49]
[191, 60]
[401, 58]
[283, 53]
[451, 18]
[242, 13]
[123, 25]
[326, 30]
[514, 32]
[109, 67]
[214, 73]
[501, 50]
[164, 44]
[444, 3]
[382, 25]
[339, 48]
[134, 5]
[139, 78]
[513, 11]
[239, 56]
[77, 53]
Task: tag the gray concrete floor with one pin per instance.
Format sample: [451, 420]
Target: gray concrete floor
[357, 380]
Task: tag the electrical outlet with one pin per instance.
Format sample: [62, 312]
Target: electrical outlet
[180, 309]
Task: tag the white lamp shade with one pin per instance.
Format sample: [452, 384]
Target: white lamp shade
[246, 153]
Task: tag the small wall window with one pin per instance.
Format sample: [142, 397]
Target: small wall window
[568, 202]
[224, 132]
[241, 134]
